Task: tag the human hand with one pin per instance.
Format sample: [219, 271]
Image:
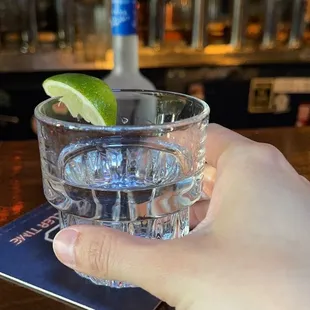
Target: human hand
[255, 255]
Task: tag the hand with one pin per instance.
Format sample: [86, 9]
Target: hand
[255, 255]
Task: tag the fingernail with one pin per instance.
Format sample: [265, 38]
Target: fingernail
[63, 246]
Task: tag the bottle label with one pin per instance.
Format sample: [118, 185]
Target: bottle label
[123, 21]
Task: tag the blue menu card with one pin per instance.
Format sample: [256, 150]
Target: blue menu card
[27, 259]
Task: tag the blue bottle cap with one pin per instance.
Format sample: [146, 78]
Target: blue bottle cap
[123, 17]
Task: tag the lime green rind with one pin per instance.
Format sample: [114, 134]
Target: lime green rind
[85, 95]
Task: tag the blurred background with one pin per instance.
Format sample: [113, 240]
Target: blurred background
[249, 59]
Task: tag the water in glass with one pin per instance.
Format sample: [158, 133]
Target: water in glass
[139, 177]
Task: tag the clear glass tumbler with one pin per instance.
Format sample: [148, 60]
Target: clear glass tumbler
[140, 176]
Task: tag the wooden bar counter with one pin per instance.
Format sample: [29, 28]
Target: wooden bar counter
[21, 191]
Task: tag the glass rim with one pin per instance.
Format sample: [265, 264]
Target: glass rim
[123, 128]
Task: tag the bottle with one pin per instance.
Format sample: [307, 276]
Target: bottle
[126, 73]
[125, 43]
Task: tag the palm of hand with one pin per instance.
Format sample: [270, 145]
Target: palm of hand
[251, 250]
[253, 242]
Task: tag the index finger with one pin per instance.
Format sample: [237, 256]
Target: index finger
[219, 140]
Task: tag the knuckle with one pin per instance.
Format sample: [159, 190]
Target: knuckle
[100, 255]
[266, 153]
[257, 152]
[268, 149]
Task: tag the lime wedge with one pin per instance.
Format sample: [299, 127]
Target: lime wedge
[84, 96]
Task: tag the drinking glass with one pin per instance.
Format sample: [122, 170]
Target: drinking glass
[65, 18]
[92, 28]
[29, 33]
[140, 176]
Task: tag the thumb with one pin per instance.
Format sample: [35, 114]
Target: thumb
[113, 255]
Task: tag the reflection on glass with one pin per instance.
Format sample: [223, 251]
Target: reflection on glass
[306, 36]
[284, 9]
[254, 21]
[65, 18]
[92, 28]
[29, 31]
[219, 21]
[297, 26]
[47, 24]
[9, 25]
[178, 22]
[143, 20]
